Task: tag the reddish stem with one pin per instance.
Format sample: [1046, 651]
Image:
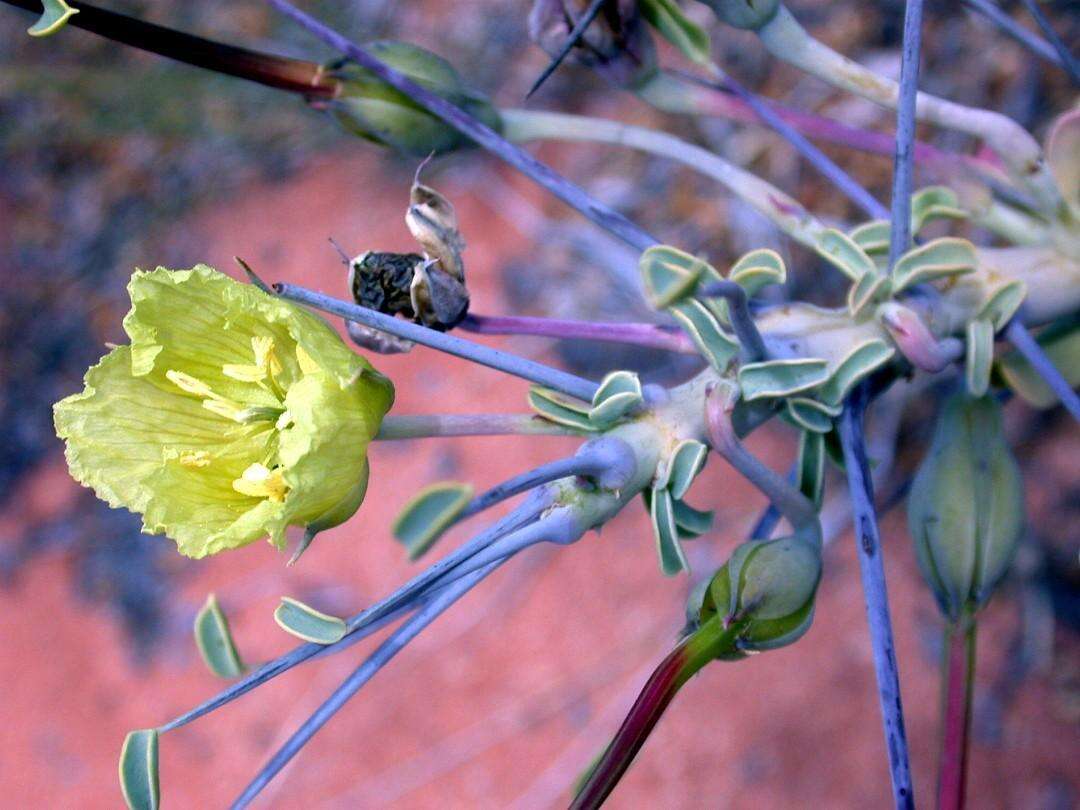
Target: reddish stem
[293, 75]
[639, 334]
[956, 718]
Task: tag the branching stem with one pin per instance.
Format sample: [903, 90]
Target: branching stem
[958, 673]
[638, 334]
[422, 426]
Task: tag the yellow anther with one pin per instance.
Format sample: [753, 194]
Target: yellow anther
[306, 361]
[194, 458]
[188, 384]
[222, 407]
[259, 481]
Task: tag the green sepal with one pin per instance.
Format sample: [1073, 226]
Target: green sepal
[702, 327]
[619, 394]
[559, 408]
[980, 356]
[844, 254]
[54, 16]
[941, 258]
[139, 770]
[811, 466]
[872, 237]
[303, 621]
[781, 378]
[758, 269]
[809, 414]
[771, 634]
[1061, 343]
[686, 462]
[934, 202]
[428, 514]
[872, 288]
[1003, 304]
[864, 359]
[678, 29]
[670, 274]
[666, 533]
[215, 641]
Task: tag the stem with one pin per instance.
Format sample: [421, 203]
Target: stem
[684, 94]
[484, 136]
[787, 40]
[753, 347]
[638, 334]
[1068, 61]
[958, 673]
[293, 75]
[364, 673]
[676, 669]
[784, 211]
[875, 594]
[484, 355]
[422, 426]
[572, 38]
[903, 162]
[1021, 338]
[1030, 40]
[818, 159]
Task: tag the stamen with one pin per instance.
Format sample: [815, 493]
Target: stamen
[260, 482]
[188, 384]
[194, 458]
[259, 414]
[244, 373]
[230, 410]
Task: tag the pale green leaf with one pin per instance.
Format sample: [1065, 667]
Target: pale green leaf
[54, 17]
[428, 514]
[811, 466]
[666, 533]
[139, 770]
[980, 356]
[215, 641]
[934, 202]
[857, 364]
[845, 254]
[781, 378]
[941, 258]
[304, 622]
[670, 274]
[702, 327]
[686, 462]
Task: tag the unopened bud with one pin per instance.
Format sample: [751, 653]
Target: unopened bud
[966, 507]
[747, 14]
[768, 586]
[369, 107]
[617, 44]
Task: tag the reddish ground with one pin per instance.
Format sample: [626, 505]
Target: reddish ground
[506, 699]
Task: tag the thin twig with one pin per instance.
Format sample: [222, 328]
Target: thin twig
[1029, 39]
[1068, 61]
[872, 571]
[422, 426]
[484, 136]
[742, 323]
[364, 673]
[814, 156]
[1021, 338]
[958, 672]
[459, 347]
[572, 38]
[904, 161]
[638, 334]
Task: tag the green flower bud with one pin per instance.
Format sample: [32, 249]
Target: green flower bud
[617, 44]
[372, 109]
[966, 507]
[747, 14]
[768, 587]
[230, 416]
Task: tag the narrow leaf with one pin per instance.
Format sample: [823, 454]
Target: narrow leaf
[428, 514]
[811, 477]
[942, 258]
[872, 237]
[845, 254]
[980, 356]
[808, 414]
[686, 462]
[934, 202]
[215, 642]
[870, 289]
[1003, 304]
[53, 18]
[691, 522]
[781, 378]
[758, 269]
[859, 362]
[705, 331]
[139, 770]
[668, 549]
[670, 274]
[305, 622]
[560, 409]
[618, 395]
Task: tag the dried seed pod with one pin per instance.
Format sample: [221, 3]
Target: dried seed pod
[966, 507]
[617, 44]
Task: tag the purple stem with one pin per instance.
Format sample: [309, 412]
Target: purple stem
[638, 334]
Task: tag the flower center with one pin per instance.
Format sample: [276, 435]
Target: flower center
[264, 479]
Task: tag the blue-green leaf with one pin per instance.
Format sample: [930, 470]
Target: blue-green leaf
[215, 642]
[686, 462]
[666, 532]
[758, 269]
[942, 258]
[811, 477]
[809, 414]
[139, 770]
[305, 622]
[870, 289]
[428, 514]
[618, 395]
[781, 378]
[1003, 303]
[702, 327]
[860, 361]
[980, 356]
[934, 202]
[670, 274]
[53, 18]
[561, 409]
[873, 236]
[691, 522]
[845, 254]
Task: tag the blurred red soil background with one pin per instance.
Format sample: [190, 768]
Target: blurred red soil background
[508, 697]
